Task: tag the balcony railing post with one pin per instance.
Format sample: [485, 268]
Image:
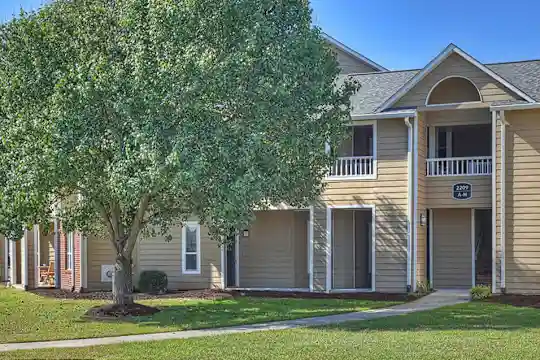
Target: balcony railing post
[465, 166]
[355, 166]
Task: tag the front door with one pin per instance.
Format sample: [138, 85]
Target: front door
[230, 271]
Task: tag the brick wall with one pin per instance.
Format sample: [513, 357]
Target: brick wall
[67, 274]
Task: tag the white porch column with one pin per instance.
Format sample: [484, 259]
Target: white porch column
[5, 275]
[13, 269]
[24, 260]
[37, 252]
[329, 270]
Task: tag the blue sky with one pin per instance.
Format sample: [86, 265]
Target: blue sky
[403, 34]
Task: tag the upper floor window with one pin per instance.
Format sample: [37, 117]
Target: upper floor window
[191, 248]
[453, 90]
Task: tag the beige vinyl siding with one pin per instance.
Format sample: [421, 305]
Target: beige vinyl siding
[320, 247]
[157, 253]
[99, 252]
[421, 231]
[301, 271]
[342, 249]
[452, 257]
[439, 192]
[271, 255]
[458, 117]
[350, 65]
[522, 201]
[388, 192]
[490, 89]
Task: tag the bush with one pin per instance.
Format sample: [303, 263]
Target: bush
[480, 292]
[423, 287]
[153, 282]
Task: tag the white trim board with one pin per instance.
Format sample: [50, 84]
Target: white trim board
[450, 49]
[352, 52]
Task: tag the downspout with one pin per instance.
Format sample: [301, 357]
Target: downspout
[415, 204]
[409, 198]
[503, 201]
[494, 202]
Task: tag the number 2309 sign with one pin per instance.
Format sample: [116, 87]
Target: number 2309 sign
[462, 191]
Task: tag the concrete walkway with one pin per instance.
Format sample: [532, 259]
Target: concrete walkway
[433, 301]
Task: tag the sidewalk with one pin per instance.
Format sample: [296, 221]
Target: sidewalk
[430, 302]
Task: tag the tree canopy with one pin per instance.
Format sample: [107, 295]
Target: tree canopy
[136, 114]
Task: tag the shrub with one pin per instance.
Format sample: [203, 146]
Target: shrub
[480, 292]
[153, 282]
[423, 287]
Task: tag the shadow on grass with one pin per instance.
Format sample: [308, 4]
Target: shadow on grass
[470, 316]
[205, 314]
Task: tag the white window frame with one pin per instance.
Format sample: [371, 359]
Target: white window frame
[70, 259]
[196, 271]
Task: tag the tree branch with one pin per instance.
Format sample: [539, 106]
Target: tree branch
[137, 222]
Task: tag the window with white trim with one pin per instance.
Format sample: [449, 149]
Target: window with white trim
[69, 252]
[191, 248]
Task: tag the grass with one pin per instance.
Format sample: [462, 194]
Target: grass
[470, 331]
[28, 317]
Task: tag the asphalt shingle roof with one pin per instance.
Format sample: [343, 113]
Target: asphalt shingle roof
[377, 87]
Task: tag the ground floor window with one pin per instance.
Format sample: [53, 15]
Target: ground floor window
[191, 248]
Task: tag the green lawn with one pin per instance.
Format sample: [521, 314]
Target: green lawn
[28, 317]
[469, 331]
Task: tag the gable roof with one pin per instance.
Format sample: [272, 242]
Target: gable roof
[355, 54]
[377, 87]
[450, 49]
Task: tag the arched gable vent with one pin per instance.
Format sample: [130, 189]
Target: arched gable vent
[453, 90]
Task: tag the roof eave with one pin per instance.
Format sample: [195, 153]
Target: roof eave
[352, 52]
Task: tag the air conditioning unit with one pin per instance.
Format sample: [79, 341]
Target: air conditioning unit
[107, 272]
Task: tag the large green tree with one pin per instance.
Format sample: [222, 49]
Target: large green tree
[136, 114]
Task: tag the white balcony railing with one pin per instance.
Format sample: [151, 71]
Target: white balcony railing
[352, 166]
[462, 166]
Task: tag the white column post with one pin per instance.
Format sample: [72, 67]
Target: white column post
[37, 253]
[5, 275]
[310, 247]
[329, 272]
[13, 269]
[24, 259]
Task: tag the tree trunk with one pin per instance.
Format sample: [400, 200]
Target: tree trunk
[122, 281]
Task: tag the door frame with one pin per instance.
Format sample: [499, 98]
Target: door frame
[225, 267]
[330, 244]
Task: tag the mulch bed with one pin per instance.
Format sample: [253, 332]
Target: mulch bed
[118, 311]
[516, 300]
[308, 295]
[107, 295]
[210, 294]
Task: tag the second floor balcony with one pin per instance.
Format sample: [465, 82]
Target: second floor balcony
[463, 150]
[356, 156]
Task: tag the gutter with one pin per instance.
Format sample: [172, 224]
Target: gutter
[515, 107]
[385, 115]
[409, 198]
